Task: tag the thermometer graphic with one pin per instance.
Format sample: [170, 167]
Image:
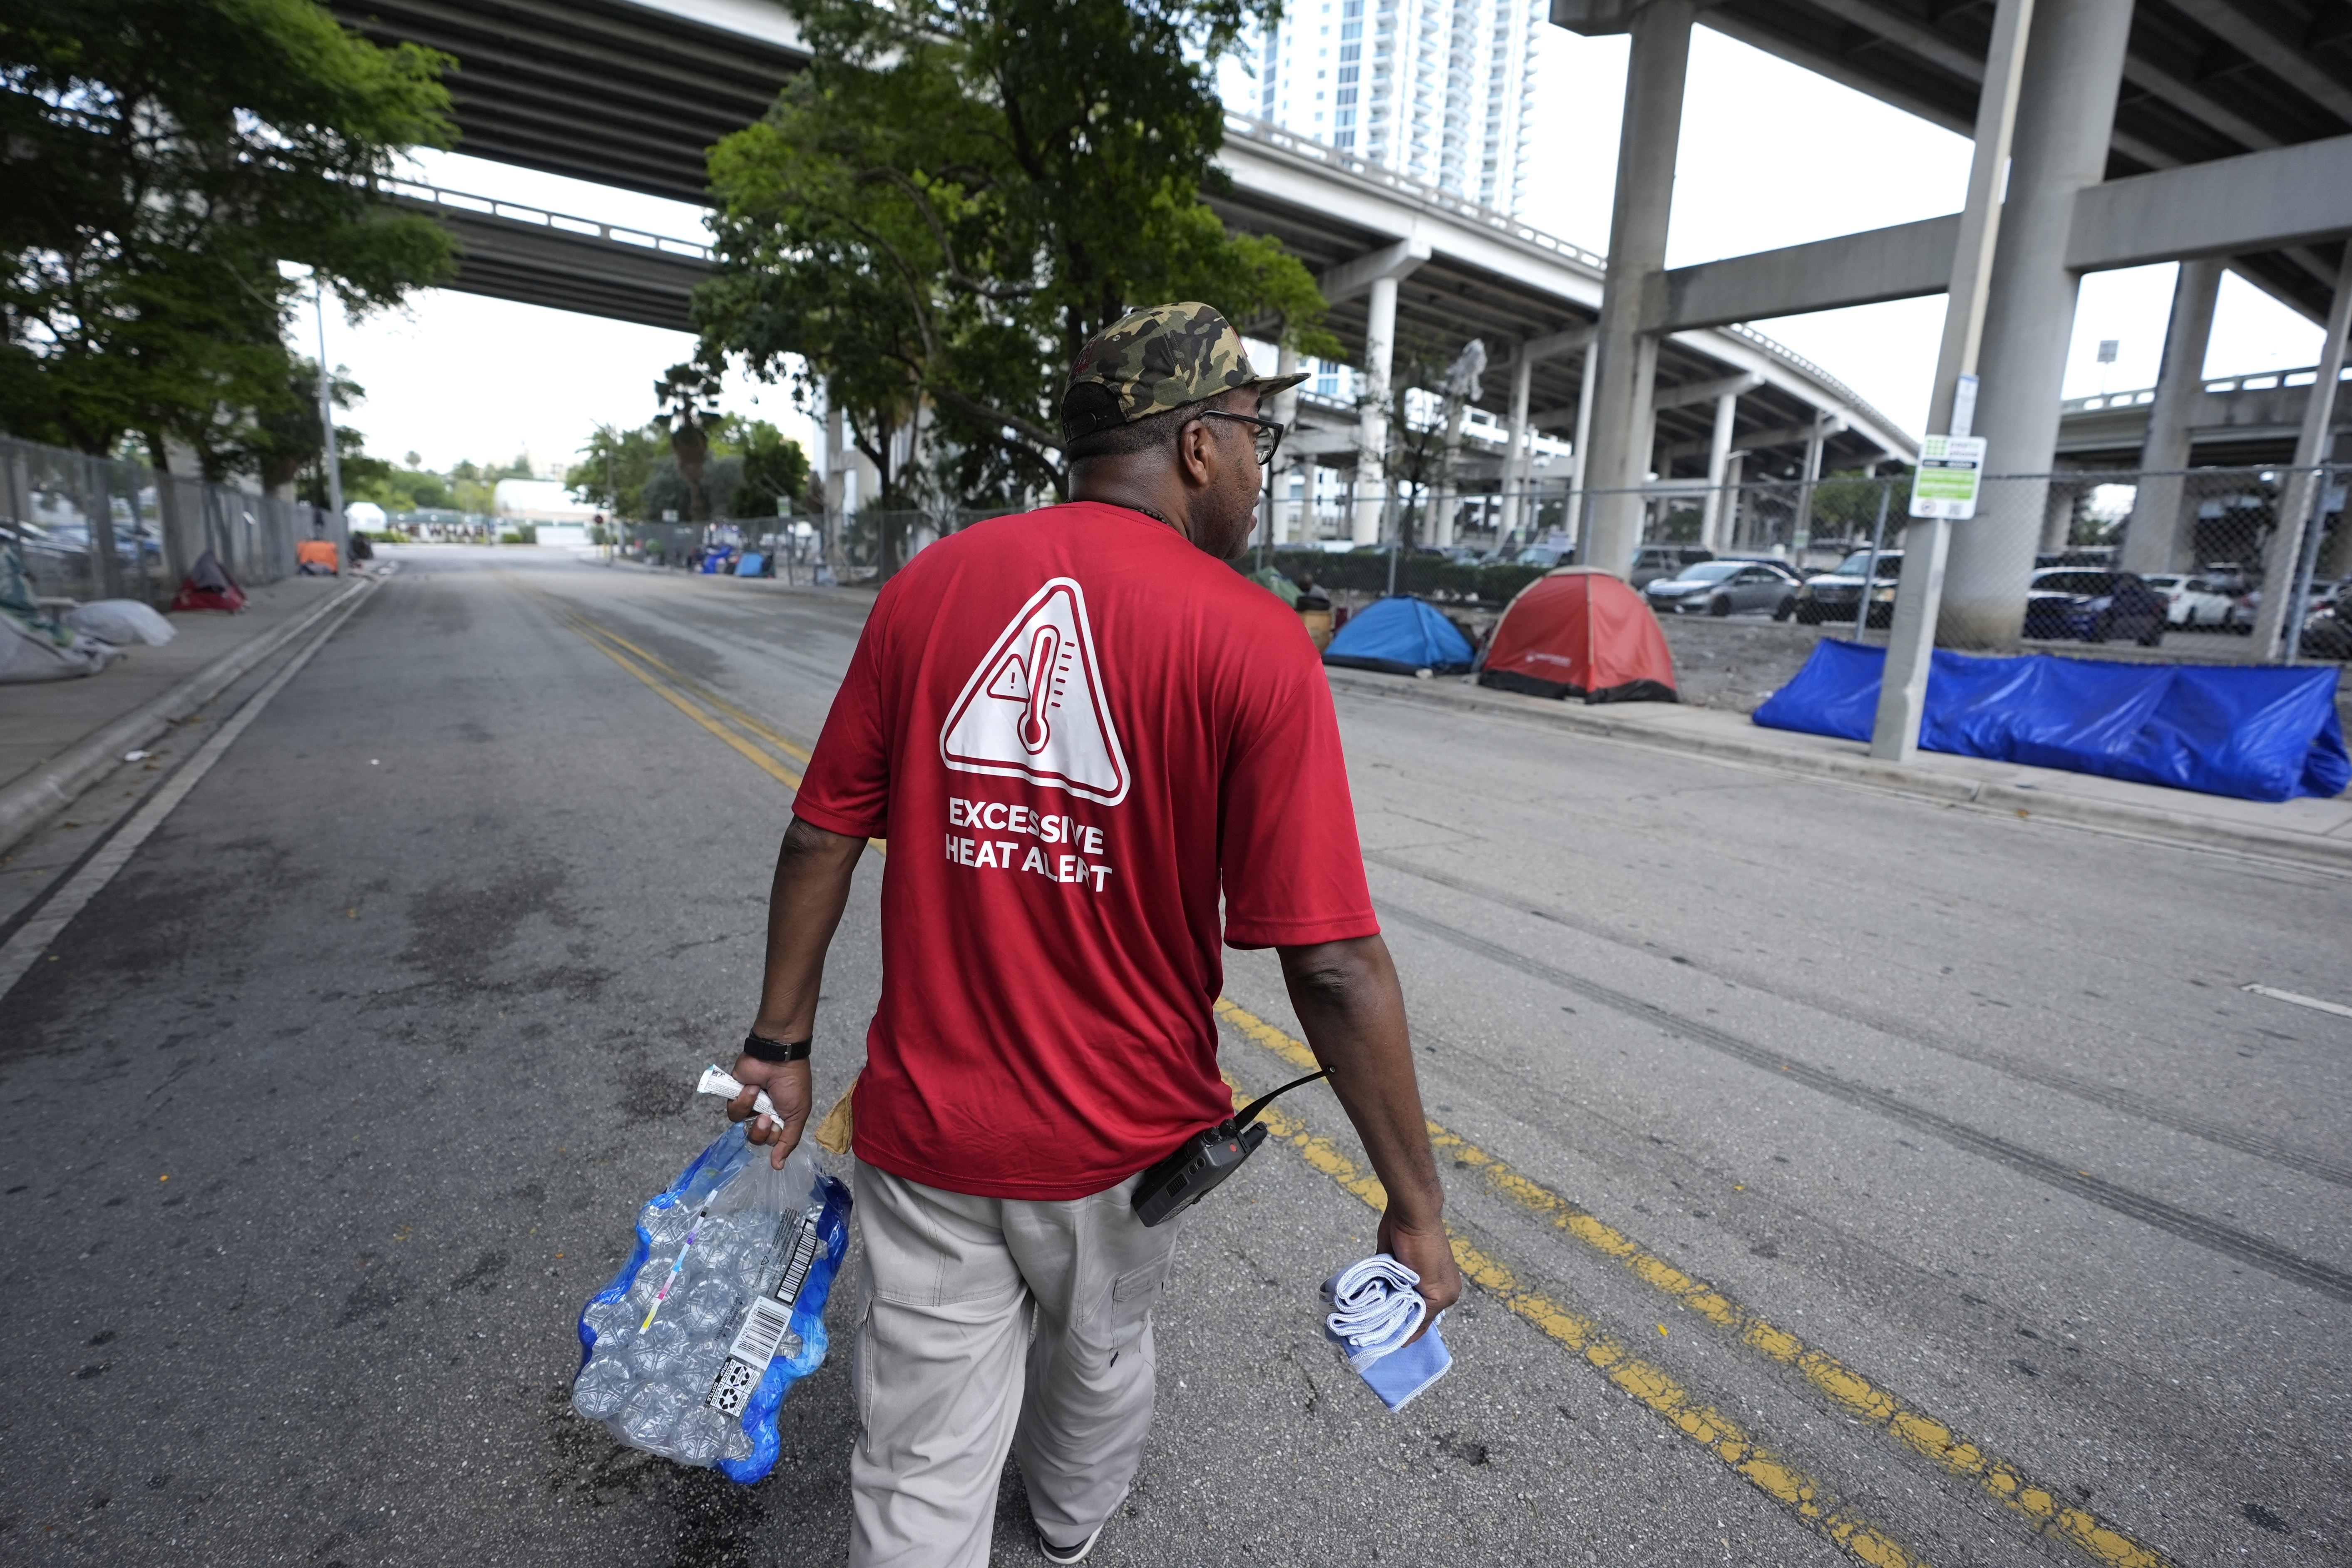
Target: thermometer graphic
[1045, 650]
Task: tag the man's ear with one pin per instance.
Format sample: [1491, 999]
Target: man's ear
[1195, 444]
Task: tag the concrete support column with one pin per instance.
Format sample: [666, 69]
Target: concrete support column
[2065, 113]
[2162, 534]
[1623, 358]
[1718, 457]
[2058, 504]
[836, 480]
[1734, 469]
[1516, 469]
[1800, 537]
[1372, 410]
[2278, 625]
[1575, 519]
[1285, 409]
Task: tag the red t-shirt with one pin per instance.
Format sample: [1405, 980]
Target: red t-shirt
[1057, 845]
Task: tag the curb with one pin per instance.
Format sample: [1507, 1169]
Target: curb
[33, 799]
[2024, 801]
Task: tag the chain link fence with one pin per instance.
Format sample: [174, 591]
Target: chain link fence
[2207, 542]
[106, 528]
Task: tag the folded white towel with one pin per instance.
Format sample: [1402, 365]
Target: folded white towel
[1375, 1308]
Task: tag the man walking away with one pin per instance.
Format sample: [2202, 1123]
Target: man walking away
[1077, 728]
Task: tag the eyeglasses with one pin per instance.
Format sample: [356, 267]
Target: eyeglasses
[1268, 436]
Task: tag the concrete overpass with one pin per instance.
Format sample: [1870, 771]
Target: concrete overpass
[632, 94]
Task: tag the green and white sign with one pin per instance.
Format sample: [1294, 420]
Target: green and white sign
[1950, 469]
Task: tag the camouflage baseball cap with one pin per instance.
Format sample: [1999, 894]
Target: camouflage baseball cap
[1150, 360]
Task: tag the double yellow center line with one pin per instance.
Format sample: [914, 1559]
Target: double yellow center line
[748, 734]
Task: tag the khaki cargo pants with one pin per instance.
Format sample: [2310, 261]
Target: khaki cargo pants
[989, 1324]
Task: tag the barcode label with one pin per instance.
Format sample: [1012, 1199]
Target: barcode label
[763, 1328]
[803, 1255]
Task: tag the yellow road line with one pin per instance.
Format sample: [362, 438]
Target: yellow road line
[605, 642]
[752, 721]
[1785, 1484]
[1853, 1393]
[758, 758]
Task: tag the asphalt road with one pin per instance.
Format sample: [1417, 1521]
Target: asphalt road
[1844, 1176]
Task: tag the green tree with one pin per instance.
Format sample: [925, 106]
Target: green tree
[775, 471]
[688, 396]
[163, 157]
[614, 466]
[942, 209]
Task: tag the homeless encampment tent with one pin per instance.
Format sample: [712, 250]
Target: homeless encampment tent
[208, 586]
[2254, 733]
[1401, 636]
[1580, 632]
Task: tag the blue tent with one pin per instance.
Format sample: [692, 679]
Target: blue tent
[1403, 637]
[2254, 733]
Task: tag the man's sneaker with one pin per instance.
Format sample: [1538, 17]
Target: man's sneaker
[1077, 1554]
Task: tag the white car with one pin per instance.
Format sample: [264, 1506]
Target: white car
[2190, 601]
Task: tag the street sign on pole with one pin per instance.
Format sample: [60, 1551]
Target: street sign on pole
[1950, 469]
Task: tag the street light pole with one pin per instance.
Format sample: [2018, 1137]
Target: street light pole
[1928, 542]
[327, 407]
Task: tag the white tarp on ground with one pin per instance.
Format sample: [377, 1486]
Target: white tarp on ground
[121, 622]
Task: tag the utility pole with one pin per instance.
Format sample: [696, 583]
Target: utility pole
[327, 408]
[1928, 542]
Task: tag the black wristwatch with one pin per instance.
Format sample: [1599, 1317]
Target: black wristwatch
[759, 1048]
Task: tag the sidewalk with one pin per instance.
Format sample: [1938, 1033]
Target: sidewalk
[57, 736]
[2306, 830]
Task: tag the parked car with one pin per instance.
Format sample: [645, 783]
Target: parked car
[2191, 602]
[1831, 596]
[2248, 605]
[1545, 556]
[2074, 603]
[1653, 562]
[2328, 632]
[1723, 587]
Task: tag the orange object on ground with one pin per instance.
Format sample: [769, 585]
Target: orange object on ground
[1580, 632]
[208, 586]
[318, 557]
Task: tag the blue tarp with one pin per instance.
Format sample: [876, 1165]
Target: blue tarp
[1403, 637]
[2257, 733]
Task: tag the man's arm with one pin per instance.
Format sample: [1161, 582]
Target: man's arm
[814, 868]
[1348, 1000]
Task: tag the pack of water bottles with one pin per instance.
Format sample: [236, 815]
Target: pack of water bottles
[689, 1352]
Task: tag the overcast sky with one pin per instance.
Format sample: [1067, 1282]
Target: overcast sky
[1772, 156]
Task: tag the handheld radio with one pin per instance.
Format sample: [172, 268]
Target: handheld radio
[1206, 1159]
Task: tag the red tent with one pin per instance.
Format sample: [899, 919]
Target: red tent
[1580, 632]
[208, 586]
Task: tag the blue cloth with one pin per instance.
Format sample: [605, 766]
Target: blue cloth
[1376, 1305]
[1399, 1375]
[750, 565]
[1403, 637]
[2253, 732]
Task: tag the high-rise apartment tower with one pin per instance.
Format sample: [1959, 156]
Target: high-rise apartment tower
[1438, 90]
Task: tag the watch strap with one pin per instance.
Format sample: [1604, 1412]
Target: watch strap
[759, 1048]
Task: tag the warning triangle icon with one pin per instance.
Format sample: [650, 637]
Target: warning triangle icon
[1033, 709]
